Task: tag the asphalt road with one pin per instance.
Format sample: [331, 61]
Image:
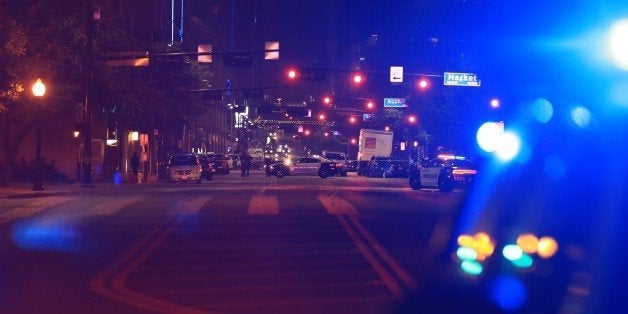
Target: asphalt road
[232, 245]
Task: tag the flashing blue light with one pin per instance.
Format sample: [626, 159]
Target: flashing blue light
[508, 293]
[555, 167]
[542, 110]
[508, 146]
[488, 136]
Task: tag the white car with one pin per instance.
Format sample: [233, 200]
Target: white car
[309, 166]
[184, 167]
[340, 159]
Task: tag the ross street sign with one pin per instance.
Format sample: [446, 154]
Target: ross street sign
[396, 74]
[395, 103]
[461, 79]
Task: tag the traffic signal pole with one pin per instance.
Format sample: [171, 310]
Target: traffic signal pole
[89, 82]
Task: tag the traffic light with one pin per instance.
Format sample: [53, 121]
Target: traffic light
[327, 100]
[357, 78]
[423, 84]
[412, 119]
[292, 74]
[370, 105]
[353, 120]
[322, 117]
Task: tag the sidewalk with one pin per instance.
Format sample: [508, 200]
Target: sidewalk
[25, 190]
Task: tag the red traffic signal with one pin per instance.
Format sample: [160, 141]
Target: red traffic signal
[353, 120]
[357, 78]
[423, 84]
[327, 100]
[412, 119]
[292, 74]
[370, 105]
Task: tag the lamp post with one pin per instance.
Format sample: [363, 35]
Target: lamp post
[39, 90]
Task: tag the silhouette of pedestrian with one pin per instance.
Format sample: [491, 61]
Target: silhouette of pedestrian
[135, 163]
[267, 163]
[246, 164]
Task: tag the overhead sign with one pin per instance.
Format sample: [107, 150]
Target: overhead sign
[461, 79]
[395, 103]
[396, 74]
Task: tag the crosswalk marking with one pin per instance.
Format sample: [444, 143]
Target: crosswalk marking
[111, 207]
[192, 207]
[263, 205]
[34, 208]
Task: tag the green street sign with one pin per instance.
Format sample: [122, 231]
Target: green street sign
[461, 79]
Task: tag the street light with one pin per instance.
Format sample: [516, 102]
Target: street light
[39, 90]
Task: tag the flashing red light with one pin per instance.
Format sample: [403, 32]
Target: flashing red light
[321, 116]
[307, 132]
[353, 120]
[354, 141]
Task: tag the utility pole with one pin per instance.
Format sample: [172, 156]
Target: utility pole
[89, 83]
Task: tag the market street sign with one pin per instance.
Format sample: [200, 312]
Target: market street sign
[395, 103]
[461, 79]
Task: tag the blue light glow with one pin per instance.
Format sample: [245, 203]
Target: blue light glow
[488, 136]
[508, 293]
[44, 235]
[507, 147]
[581, 116]
[542, 110]
[117, 179]
[555, 167]
[618, 42]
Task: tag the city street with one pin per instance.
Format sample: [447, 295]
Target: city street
[231, 245]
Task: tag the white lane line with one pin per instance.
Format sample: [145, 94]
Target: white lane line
[112, 206]
[263, 205]
[34, 208]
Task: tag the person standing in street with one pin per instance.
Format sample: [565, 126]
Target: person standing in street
[267, 164]
[246, 164]
[135, 164]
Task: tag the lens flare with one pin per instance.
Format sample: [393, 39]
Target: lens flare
[542, 110]
[581, 116]
[618, 41]
[488, 136]
[507, 147]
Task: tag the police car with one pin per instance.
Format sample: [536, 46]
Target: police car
[445, 173]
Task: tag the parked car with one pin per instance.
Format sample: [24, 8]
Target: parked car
[443, 173]
[206, 166]
[305, 166]
[235, 158]
[340, 159]
[220, 163]
[185, 167]
[387, 167]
